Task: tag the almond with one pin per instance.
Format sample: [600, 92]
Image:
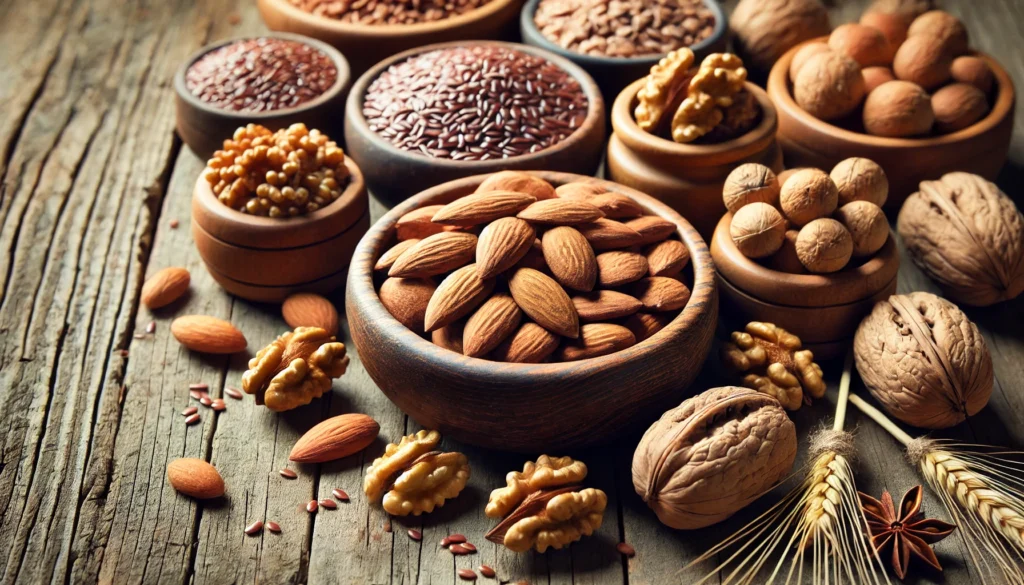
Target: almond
[435, 255]
[608, 234]
[334, 438]
[387, 259]
[616, 205]
[417, 225]
[603, 305]
[407, 299]
[495, 320]
[449, 336]
[534, 257]
[531, 344]
[618, 267]
[644, 325]
[195, 478]
[482, 208]
[310, 310]
[661, 293]
[540, 297]
[561, 212]
[652, 228]
[502, 243]
[165, 287]
[667, 258]
[519, 182]
[597, 339]
[570, 258]
[579, 190]
[456, 296]
[207, 334]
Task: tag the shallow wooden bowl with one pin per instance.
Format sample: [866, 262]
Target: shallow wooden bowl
[529, 407]
[688, 177]
[980, 149]
[365, 45]
[204, 127]
[823, 310]
[395, 174]
[266, 259]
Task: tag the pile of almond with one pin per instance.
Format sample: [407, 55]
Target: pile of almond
[520, 271]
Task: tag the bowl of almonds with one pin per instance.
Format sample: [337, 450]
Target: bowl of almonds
[494, 307]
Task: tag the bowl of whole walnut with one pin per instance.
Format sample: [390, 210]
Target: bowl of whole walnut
[497, 307]
[907, 93]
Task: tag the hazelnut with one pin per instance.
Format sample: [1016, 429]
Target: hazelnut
[957, 106]
[867, 226]
[808, 195]
[944, 27]
[750, 183]
[875, 76]
[898, 108]
[803, 54]
[924, 61]
[824, 245]
[786, 260]
[973, 70]
[860, 179]
[892, 26]
[829, 86]
[758, 230]
[864, 44]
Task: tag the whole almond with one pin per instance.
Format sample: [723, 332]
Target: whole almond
[644, 325]
[417, 223]
[667, 258]
[494, 321]
[435, 255]
[449, 336]
[456, 297]
[561, 212]
[195, 478]
[407, 299]
[603, 305]
[165, 287]
[570, 258]
[482, 208]
[502, 243]
[530, 344]
[334, 438]
[618, 267]
[652, 228]
[616, 205]
[579, 190]
[387, 259]
[207, 334]
[519, 182]
[596, 339]
[608, 234]
[310, 310]
[661, 293]
[540, 297]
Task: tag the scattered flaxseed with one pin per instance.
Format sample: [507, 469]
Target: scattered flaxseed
[151, 327]
[273, 527]
[233, 393]
[329, 504]
[254, 528]
[189, 411]
[415, 535]
[456, 538]
[174, 224]
[625, 549]
[288, 473]
[339, 494]
[122, 352]
[458, 549]
[139, 336]
[201, 386]
[205, 400]
[387, 525]
[467, 574]
[195, 394]
[192, 419]
[311, 507]
[445, 542]
[469, 546]
[234, 19]
[218, 404]
[487, 571]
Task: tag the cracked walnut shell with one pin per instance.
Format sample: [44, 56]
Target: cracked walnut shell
[411, 478]
[295, 368]
[770, 359]
[552, 518]
[547, 472]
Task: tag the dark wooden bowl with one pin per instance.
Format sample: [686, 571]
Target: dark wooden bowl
[204, 127]
[267, 259]
[823, 310]
[614, 73]
[688, 177]
[395, 174]
[529, 407]
[365, 45]
[980, 149]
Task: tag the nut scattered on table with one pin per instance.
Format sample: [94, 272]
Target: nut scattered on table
[769, 359]
[412, 478]
[295, 368]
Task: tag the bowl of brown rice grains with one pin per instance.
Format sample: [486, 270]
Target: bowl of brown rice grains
[618, 41]
[452, 110]
[367, 31]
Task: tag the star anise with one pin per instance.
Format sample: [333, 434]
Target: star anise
[905, 532]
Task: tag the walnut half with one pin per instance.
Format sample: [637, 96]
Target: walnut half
[770, 359]
[413, 478]
[547, 472]
[295, 368]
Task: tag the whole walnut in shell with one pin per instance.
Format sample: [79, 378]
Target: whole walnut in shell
[807, 51]
[713, 455]
[824, 246]
[829, 86]
[758, 230]
[892, 26]
[765, 29]
[973, 70]
[943, 26]
[864, 44]
[807, 195]
[923, 60]
[860, 179]
[867, 225]
[750, 183]
[968, 236]
[898, 109]
[875, 76]
[923, 360]
[957, 106]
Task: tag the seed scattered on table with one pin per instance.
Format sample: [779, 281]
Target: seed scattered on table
[205, 400]
[233, 393]
[487, 571]
[469, 546]
[218, 404]
[467, 574]
[174, 224]
[340, 494]
[329, 504]
[312, 506]
[189, 411]
[273, 527]
[456, 538]
[139, 336]
[192, 419]
[288, 473]
[195, 394]
[458, 549]
[626, 549]
[151, 327]
[387, 525]
[415, 535]
[201, 386]
[254, 528]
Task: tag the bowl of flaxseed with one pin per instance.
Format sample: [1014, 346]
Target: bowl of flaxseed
[452, 110]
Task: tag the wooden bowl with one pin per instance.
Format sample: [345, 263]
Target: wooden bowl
[688, 177]
[365, 45]
[614, 73]
[395, 174]
[204, 127]
[266, 259]
[526, 407]
[823, 310]
[980, 149]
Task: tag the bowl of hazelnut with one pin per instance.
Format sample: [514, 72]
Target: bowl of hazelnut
[811, 253]
[494, 307]
[279, 212]
[908, 94]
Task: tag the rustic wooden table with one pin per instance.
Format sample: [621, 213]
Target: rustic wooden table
[93, 181]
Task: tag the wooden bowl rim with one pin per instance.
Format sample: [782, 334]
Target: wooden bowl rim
[242, 118]
[529, 28]
[361, 285]
[594, 118]
[779, 90]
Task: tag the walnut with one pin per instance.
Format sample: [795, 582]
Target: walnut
[551, 518]
[808, 194]
[713, 455]
[945, 27]
[957, 106]
[875, 76]
[547, 472]
[295, 368]
[721, 76]
[898, 109]
[738, 119]
[968, 236]
[413, 478]
[765, 29]
[750, 183]
[758, 230]
[770, 360]
[864, 44]
[668, 80]
[824, 246]
[867, 225]
[860, 179]
[696, 116]
[923, 60]
[923, 360]
[806, 52]
[829, 86]
[973, 70]
[892, 26]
